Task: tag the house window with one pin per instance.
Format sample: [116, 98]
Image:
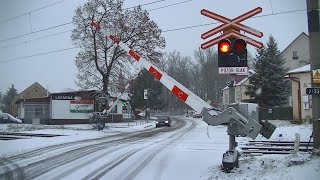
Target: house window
[115, 109]
[295, 55]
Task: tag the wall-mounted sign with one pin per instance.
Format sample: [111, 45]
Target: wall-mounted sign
[145, 94]
[82, 106]
[314, 90]
[62, 97]
[316, 76]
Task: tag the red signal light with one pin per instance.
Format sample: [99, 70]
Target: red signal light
[224, 46]
[240, 45]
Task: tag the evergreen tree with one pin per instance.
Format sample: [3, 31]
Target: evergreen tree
[136, 96]
[268, 86]
[1, 102]
[8, 98]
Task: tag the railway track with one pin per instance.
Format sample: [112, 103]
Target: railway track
[274, 147]
[28, 134]
[15, 168]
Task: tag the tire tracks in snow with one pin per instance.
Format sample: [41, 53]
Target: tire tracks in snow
[38, 168]
[9, 174]
[149, 158]
[103, 170]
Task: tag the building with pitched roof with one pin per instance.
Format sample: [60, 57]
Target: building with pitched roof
[301, 101]
[33, 91]
[297, 53]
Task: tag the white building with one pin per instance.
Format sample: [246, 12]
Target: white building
[301, 101]
[65, 108]
[297, 53]
[240, 85]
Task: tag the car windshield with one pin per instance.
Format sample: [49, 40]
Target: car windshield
[163, 118]
[159, 89]
[10, 116]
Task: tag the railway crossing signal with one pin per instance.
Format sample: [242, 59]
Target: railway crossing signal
[232, 53]
[232, 45]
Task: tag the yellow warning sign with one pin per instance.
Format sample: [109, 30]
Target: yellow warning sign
[316, 76]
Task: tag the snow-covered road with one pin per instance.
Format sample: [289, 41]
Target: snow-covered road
[190, 149]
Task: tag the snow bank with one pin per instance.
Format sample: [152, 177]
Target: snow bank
[275, 166]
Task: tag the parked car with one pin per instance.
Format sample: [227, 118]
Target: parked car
[163, 121]
[8, 118]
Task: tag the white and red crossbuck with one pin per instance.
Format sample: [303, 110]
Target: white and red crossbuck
[231, 34]
[231, 24]
[175, 87]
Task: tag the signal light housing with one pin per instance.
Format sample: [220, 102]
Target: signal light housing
[232, 53]
[240, 45]
[224, 46]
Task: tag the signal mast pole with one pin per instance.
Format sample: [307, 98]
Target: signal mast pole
[232, 138]
[314, 44]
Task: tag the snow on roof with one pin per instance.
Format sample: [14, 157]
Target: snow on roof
[302, 69]
[242, 81]
[124, 96]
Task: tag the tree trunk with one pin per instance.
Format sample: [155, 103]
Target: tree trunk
[105, 85]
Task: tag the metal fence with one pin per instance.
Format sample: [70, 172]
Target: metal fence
[275, 113]
[36, 113]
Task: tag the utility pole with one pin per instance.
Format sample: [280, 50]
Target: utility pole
[314, 44]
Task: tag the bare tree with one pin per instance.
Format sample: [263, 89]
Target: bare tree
[178, 67]
[251, 61]
[100, 60]
[210, 83]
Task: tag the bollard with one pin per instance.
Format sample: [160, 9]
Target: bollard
[296, 144]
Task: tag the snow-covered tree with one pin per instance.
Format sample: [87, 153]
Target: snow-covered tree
[100, 60]
[268, 86]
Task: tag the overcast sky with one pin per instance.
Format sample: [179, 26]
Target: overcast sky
[284, 19]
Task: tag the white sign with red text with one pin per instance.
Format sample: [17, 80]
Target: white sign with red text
[233, 70]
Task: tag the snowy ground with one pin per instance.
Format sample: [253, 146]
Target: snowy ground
[195, 154]
[74, 132]
[276, 166]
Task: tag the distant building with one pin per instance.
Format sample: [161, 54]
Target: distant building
[240, 85]
[301, 102]
[33, 91]
[70, 107]
[297, 53]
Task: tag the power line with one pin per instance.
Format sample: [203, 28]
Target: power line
[53, 27]
[271, 6]
[36, 39]
[154, 2]
[170, 5]
[33, 32]
[31, 11]
[169, 30]
[33, 55]
[194, 26]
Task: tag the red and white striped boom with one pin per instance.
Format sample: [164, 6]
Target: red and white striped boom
[114, 102]
[175, 87]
